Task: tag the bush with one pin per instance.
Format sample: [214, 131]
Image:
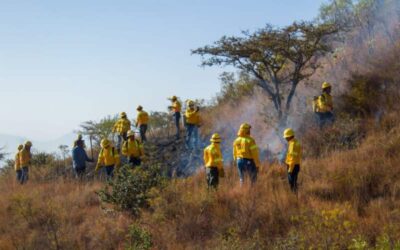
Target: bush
[138, 238]
[130, 189]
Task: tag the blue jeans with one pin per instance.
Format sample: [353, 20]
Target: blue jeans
[109, 172]
[192, 131]
[247, 167]
[120, 139]
[19, 175]
[177, 116]
[292, 178]
[25, 175]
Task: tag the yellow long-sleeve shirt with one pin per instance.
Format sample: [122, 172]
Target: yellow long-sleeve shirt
[294, 154]
[192, 117]
[123, 125]
[213, 156]
[142, 118]
[323, 103]
[17, 164]
[176, 106]
[107, 157]
[246, 147]
[133, 148]
[25, 158]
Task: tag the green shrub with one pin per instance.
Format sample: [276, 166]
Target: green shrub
[138, 238]
[130, 189]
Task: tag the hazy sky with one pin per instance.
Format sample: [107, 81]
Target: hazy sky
[65, 62]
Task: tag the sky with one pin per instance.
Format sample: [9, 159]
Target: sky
[69, 61]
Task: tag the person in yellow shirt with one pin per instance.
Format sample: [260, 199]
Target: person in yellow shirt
[293, 158]
[121, 127]
[133, 150]
[108, 158]
[245, 154]
[141, 122]
[25, 158]
[192, 123]
[176, 109]
[213, 161]
[17, 164]
[323, 106]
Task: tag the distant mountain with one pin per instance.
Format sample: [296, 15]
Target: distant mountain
[10, 143]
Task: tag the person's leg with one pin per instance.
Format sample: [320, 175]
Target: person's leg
[177, 124]
[195, 136]
[252, 171]
[189, 132]
[241, 165]
[119, 142]
[136, 161]
[25, 171]
[215, 174]
[19, 175]
[110, 172]
[144, 132]
[296, 171]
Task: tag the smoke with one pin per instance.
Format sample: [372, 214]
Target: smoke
[376, 32]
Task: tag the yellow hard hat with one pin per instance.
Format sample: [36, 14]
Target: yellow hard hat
[122, 115]
[215, 138]
[20, 147]
[105, 143]
[130, 133]
[326, 85]
[28, 143]
[245, 126]
[139, 108]
[190, 103]
[173, 98]
[288, 133]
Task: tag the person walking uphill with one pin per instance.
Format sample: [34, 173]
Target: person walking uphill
[141, 122]
[192, 118]
[122, 126]
[213, 161]
[133, 150]
[176, 109]
[79, 158]
[25, 158]
[108, 158]
[245, 154]
[323, 106]
[17, 164]
[293, 158]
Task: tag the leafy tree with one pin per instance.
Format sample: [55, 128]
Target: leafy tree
[234, 88]
[99, 130]
[279, 58]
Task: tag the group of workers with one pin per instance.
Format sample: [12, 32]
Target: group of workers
[131, 150]
[245, 150]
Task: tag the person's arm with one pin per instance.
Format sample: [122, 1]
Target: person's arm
[290, 157]
[99, 160]
[255, 154]
[116, 157]
[234, 151]
[17, 162]
[205, 157]
[87, 157]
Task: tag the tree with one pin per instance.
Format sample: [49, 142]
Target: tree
[279, 58]
[98, 130]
